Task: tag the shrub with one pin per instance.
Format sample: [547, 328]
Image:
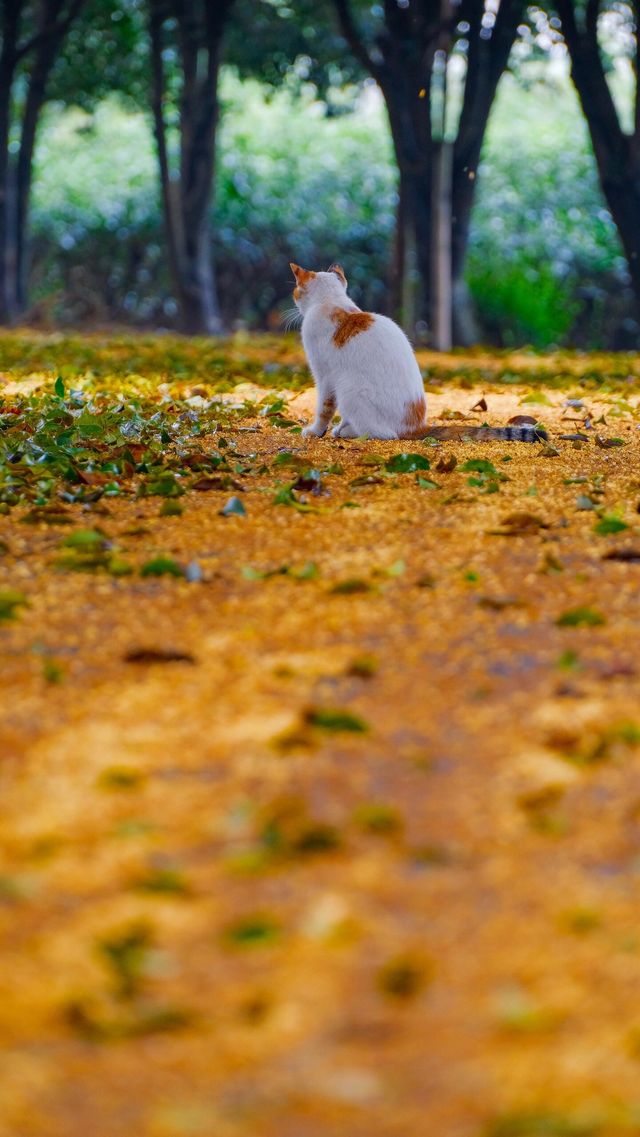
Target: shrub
[544, 265]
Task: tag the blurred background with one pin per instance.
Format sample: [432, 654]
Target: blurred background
[475, 166]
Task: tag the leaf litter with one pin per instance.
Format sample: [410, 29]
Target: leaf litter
[393, 665]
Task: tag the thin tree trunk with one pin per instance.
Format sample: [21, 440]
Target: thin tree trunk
[170, 202]
[45, 57]
[199, 121]
[411, 135]
[40, 49]
[441, 243]
[187, 196]
[398, 260]
[11, 12]
[486, 62]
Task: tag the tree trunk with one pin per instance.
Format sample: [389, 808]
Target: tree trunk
[411, 135]
[398, 260]
[187, 193]
[621, 187]
[10, 25]
[40, 48]
[403, 66]
[200, 312]
[441, 286]
[617, 154]
[413, 273]
[169, 198]
[199, 120]
[45, 56]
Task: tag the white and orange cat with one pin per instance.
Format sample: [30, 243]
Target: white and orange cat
[364, 368]
[363, 365]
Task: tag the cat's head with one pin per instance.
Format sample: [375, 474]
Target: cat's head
[317, 287]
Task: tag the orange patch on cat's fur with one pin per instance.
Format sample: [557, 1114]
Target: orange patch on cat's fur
[339, 271]
[415, 419]
[349, 324]
[302, 275]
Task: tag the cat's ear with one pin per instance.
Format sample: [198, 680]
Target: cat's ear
[302, 275]
[339, 271]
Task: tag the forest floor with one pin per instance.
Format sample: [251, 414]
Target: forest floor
[320, 760]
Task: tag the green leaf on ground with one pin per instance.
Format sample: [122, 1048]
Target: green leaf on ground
[10, 601]
[407, 463]
[609, 524]
[582, 617]
[161, 566]
[335, 719]
[233, 507]
[254, 931]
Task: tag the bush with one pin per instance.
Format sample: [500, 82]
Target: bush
[292, 184]
[544, 266]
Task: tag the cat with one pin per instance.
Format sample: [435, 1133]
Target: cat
[365, 369]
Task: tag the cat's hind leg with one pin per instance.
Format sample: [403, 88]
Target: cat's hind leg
[344, 429]
[325, 411]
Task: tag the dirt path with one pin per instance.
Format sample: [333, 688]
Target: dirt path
[365, 861]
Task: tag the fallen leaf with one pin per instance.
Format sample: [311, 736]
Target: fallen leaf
[449, 415]
[499, 603]
[609, 524]
[47, 515]
[608, 443]
[233, 507]
[310, 482]
[334, 719]
[627, 556]
[518, 523]
[157, 655]
[219, 482]
[584, 502]
[348, 587]
[581, 617]
[407, 463]
[446, 464]
[10, 601]
[161, 566]
[366, 480]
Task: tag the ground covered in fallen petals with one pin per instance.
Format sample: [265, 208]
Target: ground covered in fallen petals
[319, 760]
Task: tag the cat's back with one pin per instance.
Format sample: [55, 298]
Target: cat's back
[333, 332]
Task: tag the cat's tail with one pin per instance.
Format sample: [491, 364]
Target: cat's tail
[485, 433]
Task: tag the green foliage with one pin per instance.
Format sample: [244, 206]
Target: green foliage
[98, 224]
[544, 265]
[544, 251]
[90, 444]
